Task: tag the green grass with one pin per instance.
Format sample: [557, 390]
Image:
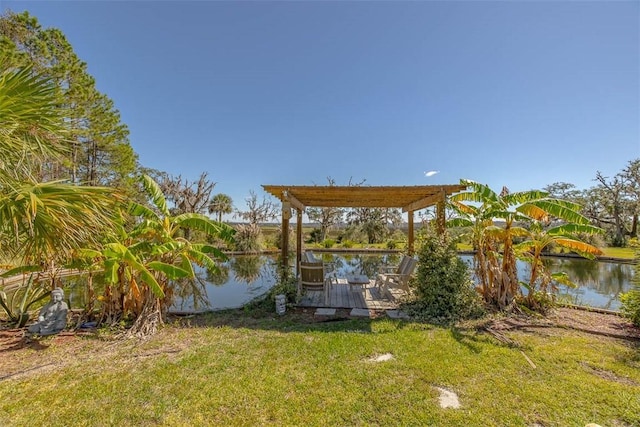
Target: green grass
[624, 253]
[244, 371]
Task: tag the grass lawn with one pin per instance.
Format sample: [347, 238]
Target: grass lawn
[625, 253]
[234, 369]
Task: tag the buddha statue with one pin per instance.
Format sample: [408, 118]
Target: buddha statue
[53, 316]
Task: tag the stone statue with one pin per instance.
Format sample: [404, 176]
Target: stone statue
[53, 316]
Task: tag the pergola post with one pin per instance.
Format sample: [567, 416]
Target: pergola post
[410, 248]
[409, 198]
[298, 240]
[286, 214]
[440, 215]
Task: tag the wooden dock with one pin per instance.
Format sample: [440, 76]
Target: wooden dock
[343, 295]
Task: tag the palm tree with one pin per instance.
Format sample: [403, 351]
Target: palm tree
[41, 221]
[495, 260]
[221, 204]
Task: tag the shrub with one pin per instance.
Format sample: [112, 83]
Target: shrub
[444, 289]
[631, 304]
[328, 243]
[348, 243]
[631, 300]
[277, 242]
[248, 238]
[354, 233]
[286, 285]
[315, 236]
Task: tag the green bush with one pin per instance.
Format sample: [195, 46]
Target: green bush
[631, 300]
[631, 304]
[354, 233]
[248, 238]
[328, 243]
[286, 284]
[348, 243]
[444, 289]
[315, 236]
[277, 240]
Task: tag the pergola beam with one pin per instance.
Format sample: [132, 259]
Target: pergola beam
[425, 202]
[294, 201]
[408, 198]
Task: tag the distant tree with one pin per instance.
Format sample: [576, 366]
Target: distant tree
[258, 212]
[186, 196]
[564, 191]
[614, 204]
[325, 217]
[374, 222]
[631, 179]
[220, 204]
[100, 153]
[249, 236]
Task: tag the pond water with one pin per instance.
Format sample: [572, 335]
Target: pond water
[245, 277]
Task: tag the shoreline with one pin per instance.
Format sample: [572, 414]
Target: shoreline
[392, 251]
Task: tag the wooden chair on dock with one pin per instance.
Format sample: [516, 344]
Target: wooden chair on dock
[400, 280]
[397, 269]
[315, 277]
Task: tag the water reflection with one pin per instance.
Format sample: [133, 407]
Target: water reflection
[599, 284]
[253, 275]
[243, 278]
[220, 276]
[247, 268]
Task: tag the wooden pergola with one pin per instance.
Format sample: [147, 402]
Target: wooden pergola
[407, 198]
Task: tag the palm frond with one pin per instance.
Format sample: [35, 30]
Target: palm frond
[584, 249]
[559, 210]
[153, 190]
[205, 224]
[568, 229]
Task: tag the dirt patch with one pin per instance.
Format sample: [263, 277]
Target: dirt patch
[608, 375]
[609, 325]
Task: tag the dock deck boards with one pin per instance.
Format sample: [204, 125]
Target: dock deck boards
[342, 295]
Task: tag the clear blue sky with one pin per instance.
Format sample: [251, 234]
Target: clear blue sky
[521, 94]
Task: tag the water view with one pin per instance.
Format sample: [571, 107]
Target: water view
[245, 277]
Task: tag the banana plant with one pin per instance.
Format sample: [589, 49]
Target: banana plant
[144, 263]
[539, 239]
[496, 254]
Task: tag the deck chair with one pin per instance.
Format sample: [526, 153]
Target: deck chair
[397, 269]
[400, 280]
[313, 277]
[309, 256]
[329, 267]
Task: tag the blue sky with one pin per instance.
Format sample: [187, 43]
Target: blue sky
[521, 94]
